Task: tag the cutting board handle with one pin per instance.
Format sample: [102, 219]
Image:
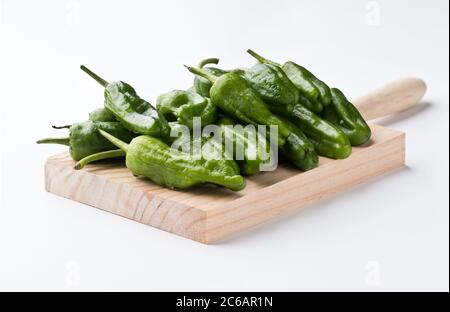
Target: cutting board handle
[394, 97]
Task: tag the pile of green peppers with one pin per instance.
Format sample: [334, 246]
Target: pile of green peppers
[312, 119]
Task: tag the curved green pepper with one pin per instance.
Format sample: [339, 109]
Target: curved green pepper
[134, 113]
[271, 84]
[152, 158]
[203, 85]
[234, 95]
[85, 140]
[210, 149]
[102, 114]
[247, 152]
[299, 150]
[183, 106]
[315, 93]
[346, 117]
[327, 139]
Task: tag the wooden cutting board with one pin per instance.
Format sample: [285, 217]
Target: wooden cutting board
[208, 213]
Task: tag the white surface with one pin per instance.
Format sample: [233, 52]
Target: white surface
[390, 234]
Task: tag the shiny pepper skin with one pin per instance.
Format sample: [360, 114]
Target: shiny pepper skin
[328, 140]
[299, 150]
[271, 84]
[346, 117]
[133, 112]
[183, 106]
[314, 93]
[152, 158]
[85, 140]
[252, 157]
[235, 96]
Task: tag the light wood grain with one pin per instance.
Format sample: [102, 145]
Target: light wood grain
[392, 98]
[208, 213]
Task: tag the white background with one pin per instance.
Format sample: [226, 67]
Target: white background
[389, 234]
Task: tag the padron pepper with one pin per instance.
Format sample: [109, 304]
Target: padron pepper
[233, 94]
[152, 158]
[208, 148]
[85, 140]
[133, 112]
[183, 106]
[203, 85]
[299, 150]
[328, 140]
[346, 117]
[271, 84]
[314, 93]
[249, 152]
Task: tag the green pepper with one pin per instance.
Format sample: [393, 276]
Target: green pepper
[299, 150]
[233, 94]
[102, 114]
[271, 84]
[133, 112]
[152, 158]
[85, 140]
[315, 94]
[327, 139]
[203, 85]
[209, 149]
[345, 116]
[183, 106]
[247, 152]
[179, 134]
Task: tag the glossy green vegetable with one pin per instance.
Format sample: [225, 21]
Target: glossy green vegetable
[152, 158]
[328, 140]
[271, 84]
[250, 150]
[102, 114]
[234, 95]
[134, 113]
[211, 149]
[314, 93]
[203, 85]
[183, 106]
[85, 140]
[208, 148]
[299, 150]
[346, 117]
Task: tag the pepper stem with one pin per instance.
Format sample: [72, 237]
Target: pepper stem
[99, 156]
[207, 61]
[202, 73]
[117, 142]
[62, 127]
[96, 77]
[61, 141]
[261, 59]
